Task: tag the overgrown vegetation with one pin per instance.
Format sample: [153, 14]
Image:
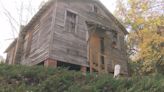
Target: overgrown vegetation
[143, 18]
[16, 78]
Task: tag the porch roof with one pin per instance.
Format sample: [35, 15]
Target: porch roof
[99, 26]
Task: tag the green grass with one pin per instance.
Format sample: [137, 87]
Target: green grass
[17, 78]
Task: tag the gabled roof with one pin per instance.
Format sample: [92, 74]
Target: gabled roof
[50, 2]
[112, 17]
[38, 14]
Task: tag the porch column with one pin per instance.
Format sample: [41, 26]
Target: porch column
[50, 63]
[83, 70]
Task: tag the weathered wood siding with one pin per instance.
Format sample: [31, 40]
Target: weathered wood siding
[96, 51]
[40, 41]
[72, 47]
[67, 46]
[117, 55]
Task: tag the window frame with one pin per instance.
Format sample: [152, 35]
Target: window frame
[102, 45]
[102, 59]
[93, 9]
[65, 19]
[115, 40]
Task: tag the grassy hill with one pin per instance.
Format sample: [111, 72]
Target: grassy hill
[16, 78]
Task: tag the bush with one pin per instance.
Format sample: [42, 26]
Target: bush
[17, 78]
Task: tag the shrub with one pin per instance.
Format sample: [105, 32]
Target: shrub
[17, 78]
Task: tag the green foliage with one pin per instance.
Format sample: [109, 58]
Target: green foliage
[2, 61]
[142, 17]
[16, 78]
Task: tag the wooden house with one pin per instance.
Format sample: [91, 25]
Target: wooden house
[81, 34]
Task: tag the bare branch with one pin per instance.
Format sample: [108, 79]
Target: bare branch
[11, 19]
[24, 12]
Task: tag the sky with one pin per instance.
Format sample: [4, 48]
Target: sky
[14, 8]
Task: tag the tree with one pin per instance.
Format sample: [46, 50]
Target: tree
[142, 17]
[23, 11]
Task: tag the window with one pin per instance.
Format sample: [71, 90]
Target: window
[95, 9]
[102, 49]
[102, 59]
[102, 44]
[115, 36]
[114, 42]
[71, 21]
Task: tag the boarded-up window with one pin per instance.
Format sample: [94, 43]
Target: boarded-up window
[71, 21]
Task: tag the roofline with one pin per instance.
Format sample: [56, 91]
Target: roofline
[11, 45]
[48, 4]
[113, 18]
[99, 26]
[32, 21]
[38, 14]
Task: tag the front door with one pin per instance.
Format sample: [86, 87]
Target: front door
[96, 50]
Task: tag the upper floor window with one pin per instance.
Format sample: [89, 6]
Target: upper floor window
[95, 9]
[71, 19]
[102, 49]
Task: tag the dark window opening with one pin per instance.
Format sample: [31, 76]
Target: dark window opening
[102, 46]
[95, 9]
[115, 36]
[71, 21]
[88, 69]
[102, 59]
[41, 64]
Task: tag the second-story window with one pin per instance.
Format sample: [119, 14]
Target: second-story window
[71, 19]
[95, 9]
